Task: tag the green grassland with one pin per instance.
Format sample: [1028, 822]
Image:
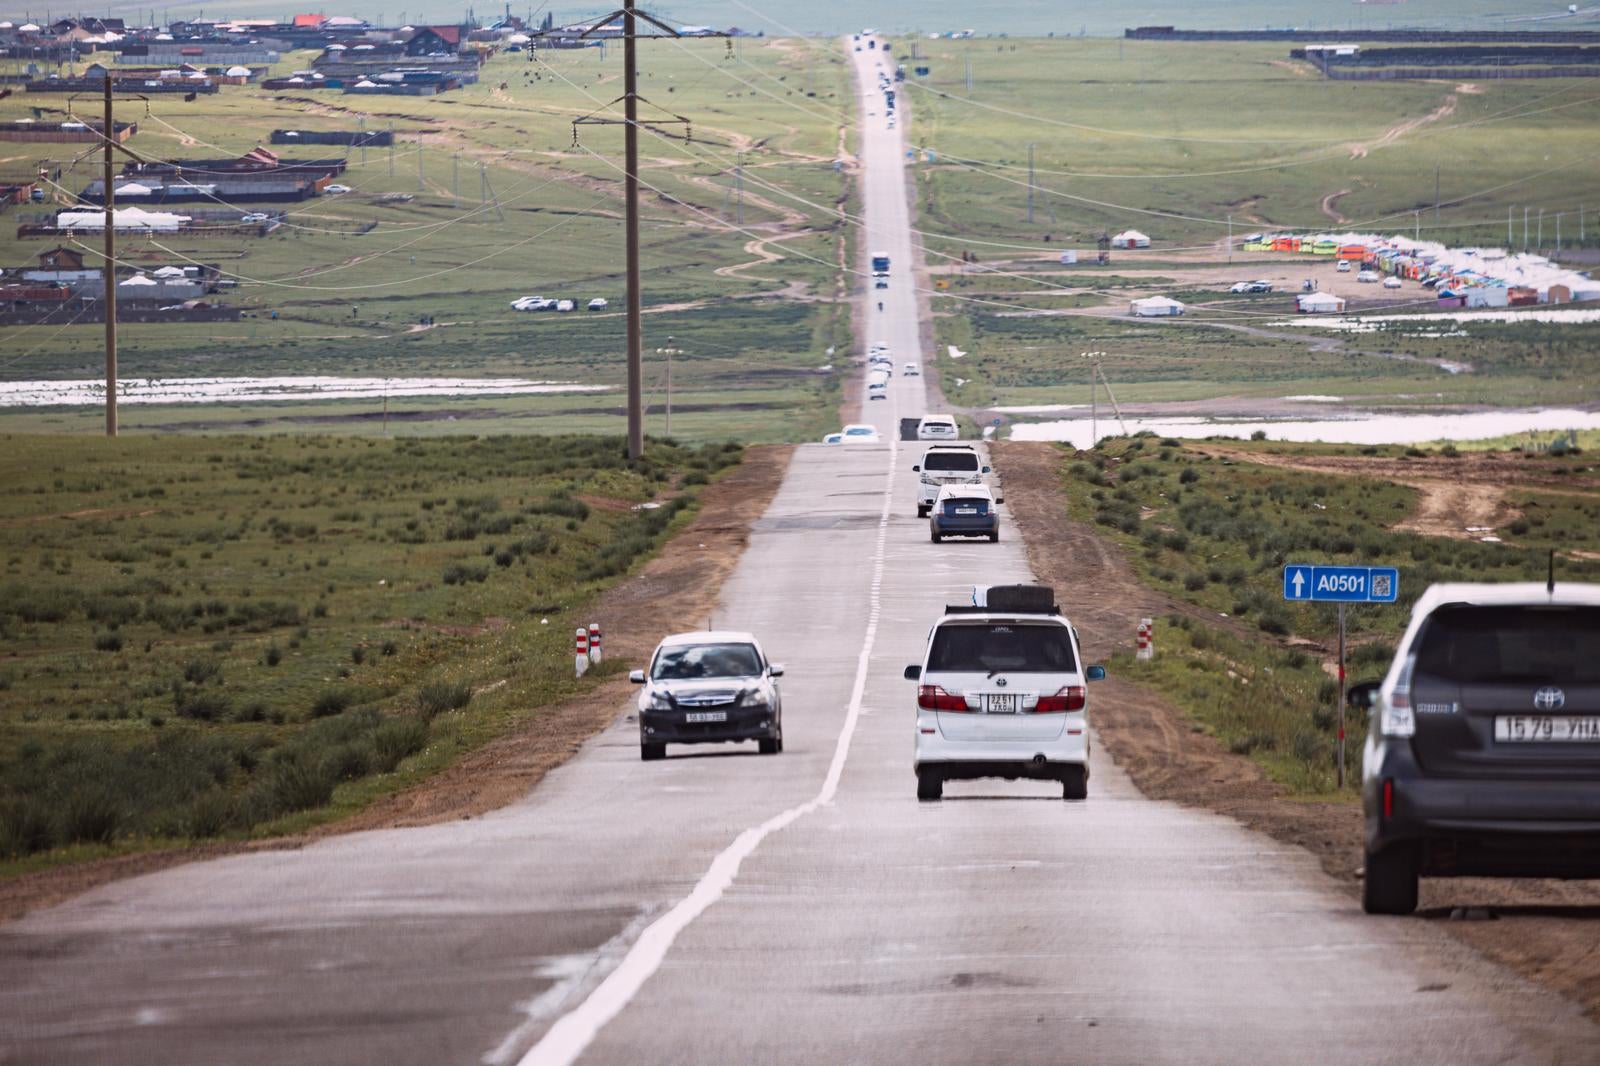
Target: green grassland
[225, 636]
[346, 302]
[1216, 534]
[1196, 133]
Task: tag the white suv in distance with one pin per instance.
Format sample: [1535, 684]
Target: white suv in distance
[945, 464]
[938, 427]
[1002, 692]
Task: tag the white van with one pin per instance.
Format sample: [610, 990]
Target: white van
[565, 305]
[938, 427]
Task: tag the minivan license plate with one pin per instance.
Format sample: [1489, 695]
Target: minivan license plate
[1005, 704]
[706, 716]
[1547, 728]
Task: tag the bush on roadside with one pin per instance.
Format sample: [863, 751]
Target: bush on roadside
[437, 697]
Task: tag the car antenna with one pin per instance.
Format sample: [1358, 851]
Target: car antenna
[1550, 582]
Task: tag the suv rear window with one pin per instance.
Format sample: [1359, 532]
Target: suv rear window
[1006, 647]
[959, 461]
[1467, 645]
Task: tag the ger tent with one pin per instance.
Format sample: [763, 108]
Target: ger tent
[1155, 307]
[1130, 238]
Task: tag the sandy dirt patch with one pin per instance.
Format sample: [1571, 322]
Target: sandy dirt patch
[682, 582]
[1545, 930]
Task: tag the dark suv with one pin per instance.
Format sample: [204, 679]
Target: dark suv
[1483, 753]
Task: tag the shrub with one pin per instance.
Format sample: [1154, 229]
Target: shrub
[1194, 582]
[108, 642]
[297, 784]
[209, 814]
[25, 827]
[201, 706]
[1259, 434]
[1310, 748]
[395, 739]
[1274, 619]
[90, 815]
[349, 761]
[1258, 741]
[330, 702]
[358, 654]
[439, 696]
[389, 647]
[273, 655]
[199, 671]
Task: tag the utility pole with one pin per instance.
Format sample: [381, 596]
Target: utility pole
[1436, 194]
[1525, 228]
[969, 74]
[1416, 224]
[421, 185]
[629, 16]
[455, 180]
[738, 186]
[1539, 243]
[108, 135]
[362, 137]
[1230, 239]
[669, 386]
[1030, 183]
[1558, 232]
[1509, 238]
[391, 149]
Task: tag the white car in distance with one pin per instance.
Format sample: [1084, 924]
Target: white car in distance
[860, 433]
[938, 427]
[1002, 692]
[911, 370]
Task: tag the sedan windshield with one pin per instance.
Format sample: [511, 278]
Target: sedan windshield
[695, 662]
[1556, 645]
[1001, 648]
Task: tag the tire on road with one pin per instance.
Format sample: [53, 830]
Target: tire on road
[1075, 783]
[922, 512]
[770, 747]
[930, 784]
[1390, 884]
[652, 752]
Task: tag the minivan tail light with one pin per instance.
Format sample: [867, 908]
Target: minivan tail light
[1396, 718]
[934, 698]
[1071, 698]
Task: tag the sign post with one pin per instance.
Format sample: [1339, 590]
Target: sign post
[1307, 582]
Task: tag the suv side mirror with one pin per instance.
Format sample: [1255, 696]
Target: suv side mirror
[775, 669]
[986, 470]
[636, 676]
[913, 673]
[1363, 697]
[1095, 673]
[999, 499]
[917, 469]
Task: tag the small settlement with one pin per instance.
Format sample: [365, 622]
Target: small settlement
[1459, 277]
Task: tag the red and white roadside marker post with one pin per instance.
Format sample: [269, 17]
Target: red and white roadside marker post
[1147, 642]
[580, 661]
[594, 643]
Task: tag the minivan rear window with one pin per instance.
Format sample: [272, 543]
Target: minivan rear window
[1002, 648]
[959, 461]
[1472, 644]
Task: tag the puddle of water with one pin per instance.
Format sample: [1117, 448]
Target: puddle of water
[1357, 429]
[257, 390]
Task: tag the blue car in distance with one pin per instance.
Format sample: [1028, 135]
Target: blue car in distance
[964, 510]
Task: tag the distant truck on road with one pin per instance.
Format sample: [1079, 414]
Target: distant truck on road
[880, 264]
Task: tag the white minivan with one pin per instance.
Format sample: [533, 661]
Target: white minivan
[1002, 691]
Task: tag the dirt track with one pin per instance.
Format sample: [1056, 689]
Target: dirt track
[681, 583]
[1545, 930]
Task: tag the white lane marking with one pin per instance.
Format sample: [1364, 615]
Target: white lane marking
[564, 1041]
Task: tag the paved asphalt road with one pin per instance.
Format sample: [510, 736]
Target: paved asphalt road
[726, 907]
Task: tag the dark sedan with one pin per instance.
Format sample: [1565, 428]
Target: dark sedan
[707, 688]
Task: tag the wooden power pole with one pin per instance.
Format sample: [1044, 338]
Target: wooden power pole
[108, 135]
[629, 17]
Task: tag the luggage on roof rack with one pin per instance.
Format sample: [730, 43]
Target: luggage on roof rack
[1024, 599]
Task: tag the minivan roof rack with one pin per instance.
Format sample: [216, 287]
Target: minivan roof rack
[968, 608]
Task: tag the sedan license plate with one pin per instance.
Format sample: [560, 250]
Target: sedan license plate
[1547, 729]
[1003, 704]
[706, 716]
[966, 510]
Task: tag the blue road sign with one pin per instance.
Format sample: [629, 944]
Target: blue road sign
[1341, 584]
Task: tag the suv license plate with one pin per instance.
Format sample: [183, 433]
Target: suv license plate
[1547, 728]
[706, 716]
[1006, 704]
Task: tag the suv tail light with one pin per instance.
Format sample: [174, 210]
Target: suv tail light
[1071, 698]
[934, 698]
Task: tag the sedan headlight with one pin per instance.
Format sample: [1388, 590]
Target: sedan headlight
[755, 697]
[658, 701]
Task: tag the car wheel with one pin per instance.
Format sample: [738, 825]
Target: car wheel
[930, 784]
[935, 537]
[651, 752]
[770, 747]
[1390, 884]
[1075, 783]
[922, 512]
[994, 538]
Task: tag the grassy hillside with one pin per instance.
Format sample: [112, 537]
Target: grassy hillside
[214, 636]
